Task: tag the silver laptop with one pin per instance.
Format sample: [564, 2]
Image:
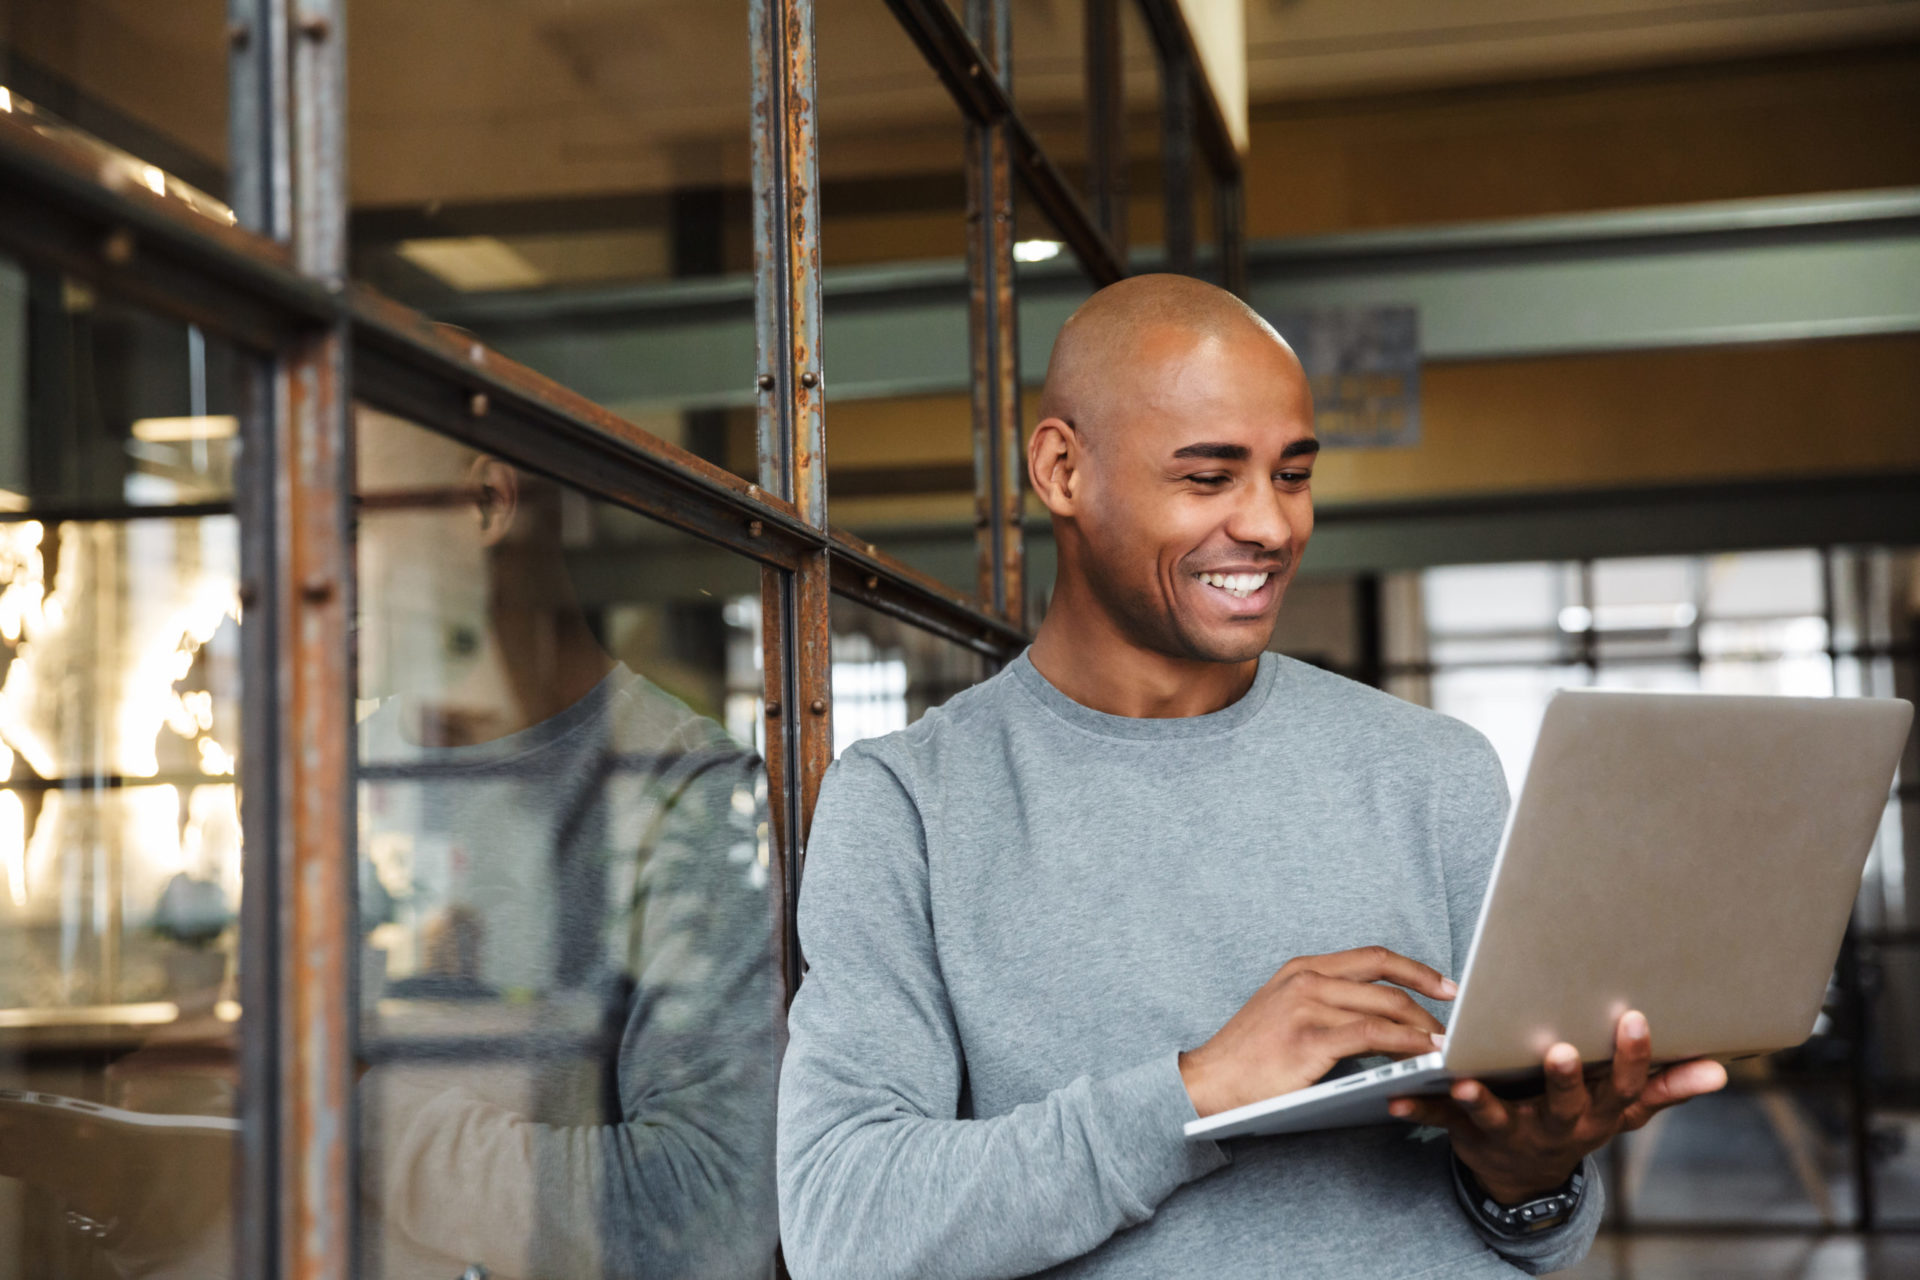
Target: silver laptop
[1693, 856]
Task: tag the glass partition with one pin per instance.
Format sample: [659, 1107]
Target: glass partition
[887, 673]
[570, 1016]
[120, 849]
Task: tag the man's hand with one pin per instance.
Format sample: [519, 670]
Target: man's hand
[1315, 1011]
[1522, 1150]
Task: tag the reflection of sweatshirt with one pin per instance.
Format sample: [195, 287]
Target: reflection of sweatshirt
[575, 1049]
[1018, 912]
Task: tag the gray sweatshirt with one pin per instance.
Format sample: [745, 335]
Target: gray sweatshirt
[1019, 911]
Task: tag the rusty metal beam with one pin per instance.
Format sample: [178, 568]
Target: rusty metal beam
[994, 339]
[314, 597]
[260, 164]
[1173, 38]
[1230, 235]
[861, 571]
[1106, 122]
[942, 39]
[1177, 75]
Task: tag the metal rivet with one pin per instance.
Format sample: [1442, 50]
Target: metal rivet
[974, 71]
[766, 382]
[809, 379]
[118, 247]
[819, 706]
[317, 589]
[753, 491]
[773, 709]
[315, 27]
[872, 582]
[755, 528]
[477, 404]
[239, 34]
[872, 550]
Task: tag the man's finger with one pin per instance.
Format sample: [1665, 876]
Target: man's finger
[1487, 1112]
[1370, 998]
[1632, 1052]
[1437, 1112]
[1676, 1084]
[1567, 1097]
[1377, 964]
[1348, 1035]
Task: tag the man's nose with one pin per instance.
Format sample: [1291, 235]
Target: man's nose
[1261, 519]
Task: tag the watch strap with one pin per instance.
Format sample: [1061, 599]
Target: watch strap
[1530, 1217]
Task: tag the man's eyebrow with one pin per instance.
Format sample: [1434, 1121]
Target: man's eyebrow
[1218, 452]
[1221, 452]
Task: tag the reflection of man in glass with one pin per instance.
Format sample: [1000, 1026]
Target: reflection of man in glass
[570, 1007]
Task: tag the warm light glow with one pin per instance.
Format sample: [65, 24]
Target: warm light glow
[154, 179]
[13, 846]
[227, 1010]
[149, 1013]
[1036, 250]
[6, 100]
[215, 760]
[216, 426]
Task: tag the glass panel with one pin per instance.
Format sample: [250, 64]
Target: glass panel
[1506, 704]
[543, 174]
[1645, 608]
[1764, 584]
[1482, 598]
[570, 1013]
[144, 85]
[1894, 1059]
[120, 861]
[1762, 1152]
[103, 405]
[887, 674]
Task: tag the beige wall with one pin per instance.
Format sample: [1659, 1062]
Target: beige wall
[1835, 122]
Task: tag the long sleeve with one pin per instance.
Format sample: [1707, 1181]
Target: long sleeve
[879, 1174]
[1471, 815]
[680, 1183]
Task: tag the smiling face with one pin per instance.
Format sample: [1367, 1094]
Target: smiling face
[1201, 498]
[1181, 484]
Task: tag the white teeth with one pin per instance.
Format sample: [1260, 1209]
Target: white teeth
[1237, 585]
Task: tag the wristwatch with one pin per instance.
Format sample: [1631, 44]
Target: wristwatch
[1513, 1222]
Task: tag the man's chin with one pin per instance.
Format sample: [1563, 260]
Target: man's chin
[1242, 642]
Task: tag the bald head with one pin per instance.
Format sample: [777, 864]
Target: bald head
[1126, 330]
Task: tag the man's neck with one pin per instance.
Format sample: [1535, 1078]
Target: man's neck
[1083, 655]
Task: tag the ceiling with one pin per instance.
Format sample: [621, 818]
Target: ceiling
[455, 100]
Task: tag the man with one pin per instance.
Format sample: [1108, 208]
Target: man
[1043, 924]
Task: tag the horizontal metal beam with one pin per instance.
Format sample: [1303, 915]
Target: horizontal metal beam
[164, 255]
[1752, 271]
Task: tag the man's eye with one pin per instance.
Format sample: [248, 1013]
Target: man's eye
[1295, 477]
[1210, 480]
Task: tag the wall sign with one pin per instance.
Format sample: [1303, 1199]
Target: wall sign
[1364, 365]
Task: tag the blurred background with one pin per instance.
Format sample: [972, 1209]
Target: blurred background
[1637, 283]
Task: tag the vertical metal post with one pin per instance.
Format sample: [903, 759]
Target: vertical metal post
[1853, 987]
[1229, 202]
[314, 597]
[1176, 158]
[1107, 124]
[792, 429]
[998, 462]
[259, 194]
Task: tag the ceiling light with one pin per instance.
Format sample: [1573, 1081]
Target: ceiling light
[1036, 250]
[473, 263]
[219, 426]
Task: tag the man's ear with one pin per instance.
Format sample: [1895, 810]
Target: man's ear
[496, 487]
[1055, 456]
